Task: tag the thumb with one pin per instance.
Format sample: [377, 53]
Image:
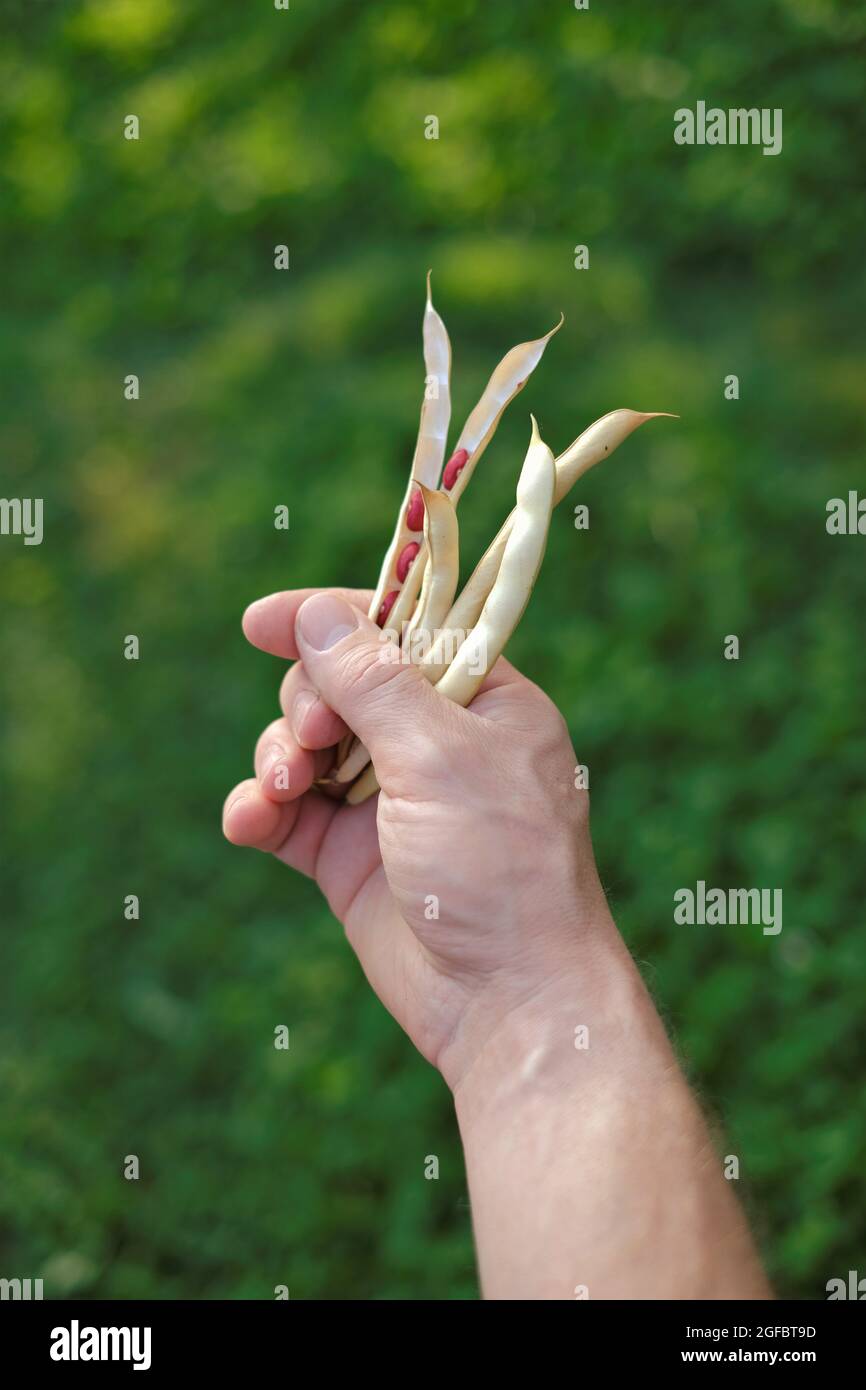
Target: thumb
[359, 672]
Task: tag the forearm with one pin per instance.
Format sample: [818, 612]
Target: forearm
[591, 1170]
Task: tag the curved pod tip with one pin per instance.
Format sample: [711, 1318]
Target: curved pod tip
[556, 327]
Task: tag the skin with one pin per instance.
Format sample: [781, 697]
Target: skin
[591, 1171]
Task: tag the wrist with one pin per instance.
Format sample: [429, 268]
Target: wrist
[577, 1017]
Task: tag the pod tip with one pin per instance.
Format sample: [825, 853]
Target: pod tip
[643, 415]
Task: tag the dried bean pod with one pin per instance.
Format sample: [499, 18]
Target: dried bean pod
[430, 445]
[595, 443]
[437, 595]
[404, 604]
[443, 566]
[508, 379]
[521, 561]
[366, 785]
[426, 467]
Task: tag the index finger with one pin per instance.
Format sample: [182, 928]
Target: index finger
[269, 623]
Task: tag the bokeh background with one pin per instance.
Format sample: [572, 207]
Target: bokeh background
[261, 387]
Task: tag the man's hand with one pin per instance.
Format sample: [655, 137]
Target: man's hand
[469, 886]
[469, 891]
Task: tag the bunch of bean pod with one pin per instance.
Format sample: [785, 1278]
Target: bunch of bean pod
[455, 641]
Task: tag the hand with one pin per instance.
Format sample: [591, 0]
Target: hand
[469, 892]
[468, 887]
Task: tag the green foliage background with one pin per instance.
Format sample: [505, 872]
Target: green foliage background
[260, 127]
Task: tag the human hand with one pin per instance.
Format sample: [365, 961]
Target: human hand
[468, 887]
[469, 892]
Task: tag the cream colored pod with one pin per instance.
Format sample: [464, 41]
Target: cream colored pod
[507, 600]
[436, 597]
[595, 444]
[508, 378]
[456, 641]
[521, 561]
[407, 558]
[441, 572]
[426, 462]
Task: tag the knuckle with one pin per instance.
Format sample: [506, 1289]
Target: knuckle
[287, 686]
[551, 728]
[365, 672]
[543, 758]
[427, 757]
[293, 683]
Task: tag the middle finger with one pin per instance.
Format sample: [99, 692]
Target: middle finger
[313, 723]
[283, 769]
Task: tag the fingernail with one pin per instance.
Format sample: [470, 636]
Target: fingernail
[324, 619]
[237, 801]
[303, 704]
[274, 753]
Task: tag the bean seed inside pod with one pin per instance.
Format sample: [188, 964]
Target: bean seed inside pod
[385, 606]
[415, 512]
[405, 558]
[454, 467]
